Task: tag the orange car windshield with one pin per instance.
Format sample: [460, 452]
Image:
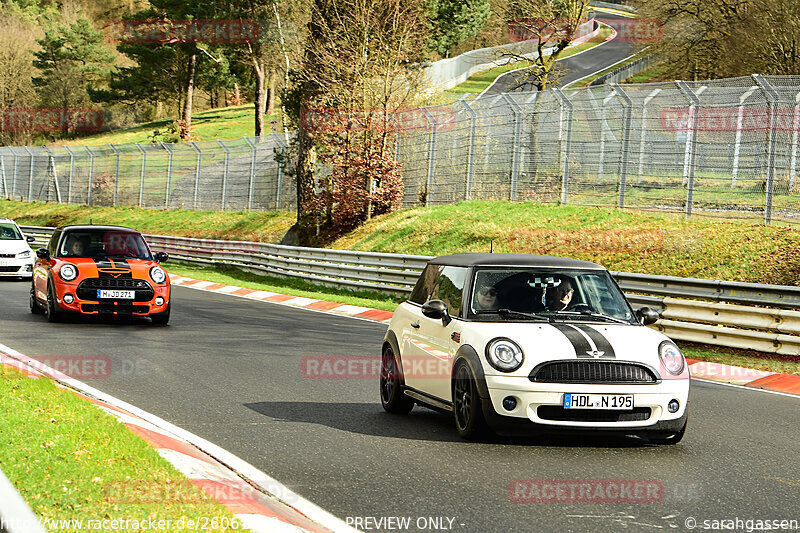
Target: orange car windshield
[101, 244]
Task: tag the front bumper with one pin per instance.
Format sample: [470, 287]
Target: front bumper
[542, 404]
[110, 307]
[16, 268]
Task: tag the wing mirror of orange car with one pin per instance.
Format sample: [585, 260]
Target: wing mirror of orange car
[42, 253]
[437, 309]
[161, 257]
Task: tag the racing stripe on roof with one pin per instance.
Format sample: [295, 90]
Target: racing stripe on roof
[599, 341]
[579, 341]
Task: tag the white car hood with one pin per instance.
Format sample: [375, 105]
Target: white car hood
[13, 247]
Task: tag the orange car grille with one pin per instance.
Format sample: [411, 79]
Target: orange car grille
[87, 290]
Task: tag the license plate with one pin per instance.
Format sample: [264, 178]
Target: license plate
[621, 402]
[115, 295]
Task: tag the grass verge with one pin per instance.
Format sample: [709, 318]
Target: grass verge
[263, 226]
[292, 286]
[72, 461]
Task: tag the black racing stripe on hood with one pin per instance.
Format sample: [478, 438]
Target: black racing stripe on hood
[579, 342]
[108, 268]
[600, 341]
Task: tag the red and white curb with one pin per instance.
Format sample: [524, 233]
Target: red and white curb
[700, 370]
[335, 308]
[258, 501]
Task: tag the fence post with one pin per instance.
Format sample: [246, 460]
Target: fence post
[30, 174]
[116, 175]
[431, 155]
[796, 125]
[626, 139]
[91, 175]
[688, 161]
[515, 146]
[642, 141]
[738, 142]
[283, 146]
[3, 171]
[603, 127]
[166, 147]
[772, 98]
[71, 171]
[252, 172]
[473, 120]
[51, 164]
[14, 177]
[566, 108]
[141, 176]
[196, 173]
[224, 175]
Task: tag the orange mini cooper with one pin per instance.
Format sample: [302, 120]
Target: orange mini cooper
[100, 270]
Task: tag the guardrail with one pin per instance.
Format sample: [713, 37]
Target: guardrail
[716, 312]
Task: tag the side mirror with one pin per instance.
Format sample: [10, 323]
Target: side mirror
[161, 257]
[647, 316]
[42, 253]
[437, 309]
[30, 238]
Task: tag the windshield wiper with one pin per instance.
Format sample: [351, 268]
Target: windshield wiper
[511, 312]
[591, 314]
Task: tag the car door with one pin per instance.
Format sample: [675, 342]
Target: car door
[432, 342]
[42, 267]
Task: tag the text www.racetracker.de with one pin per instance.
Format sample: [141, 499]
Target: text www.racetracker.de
[199, 523]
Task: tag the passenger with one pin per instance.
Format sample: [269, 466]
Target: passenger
[559, 297]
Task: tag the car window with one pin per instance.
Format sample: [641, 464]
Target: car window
[425, 284]
[449, 287]
[9, 232]
[103, 243]
[51, 246]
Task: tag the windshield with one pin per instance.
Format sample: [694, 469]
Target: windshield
[100, 244]
[9, 232]
[547, 294]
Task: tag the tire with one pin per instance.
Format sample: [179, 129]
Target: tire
[391, 384]
[161, 319]
[35, 309]
[467, 411]
[52, 310]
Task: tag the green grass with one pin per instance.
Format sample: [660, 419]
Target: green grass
[292, 286]
[263, 226]
[477, 83]
[222, 123]
[623, 240]
[784, 364]
[652, 74]
[71, 460]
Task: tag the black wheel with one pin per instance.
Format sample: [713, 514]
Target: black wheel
[467, 404]
[668, 438]
[161, 319]
[392, 398]
[52, 310]
[35, 309]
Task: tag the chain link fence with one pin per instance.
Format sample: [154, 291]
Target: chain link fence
[726, 148]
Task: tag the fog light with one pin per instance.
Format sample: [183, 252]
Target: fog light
[509, 403]
[159, 301]
[68, 299]
[673, 406]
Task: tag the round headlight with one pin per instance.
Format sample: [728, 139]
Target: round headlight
[504, 355]
[671, 357]
[158, 275]
[23, 254]
[68, 272]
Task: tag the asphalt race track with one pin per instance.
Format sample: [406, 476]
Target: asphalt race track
[229, 370]
[573, 68]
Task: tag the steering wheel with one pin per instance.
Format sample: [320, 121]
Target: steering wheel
[578, 308]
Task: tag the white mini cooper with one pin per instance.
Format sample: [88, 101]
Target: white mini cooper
[523, 342]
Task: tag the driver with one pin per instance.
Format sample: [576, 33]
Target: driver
[560, 296]
[77, 248]
[486, 299]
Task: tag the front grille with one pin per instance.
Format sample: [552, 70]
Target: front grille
[592, 372]
[8, 256]
[87, 290]
[558, 413]
[9, 268]
[110, 308]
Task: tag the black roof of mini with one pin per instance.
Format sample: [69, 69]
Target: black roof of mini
[515, 260]
[95, 227]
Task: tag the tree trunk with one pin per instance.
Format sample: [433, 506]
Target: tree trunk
[261, 96]
[237, 95]
[186, 127]
[270, 93]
